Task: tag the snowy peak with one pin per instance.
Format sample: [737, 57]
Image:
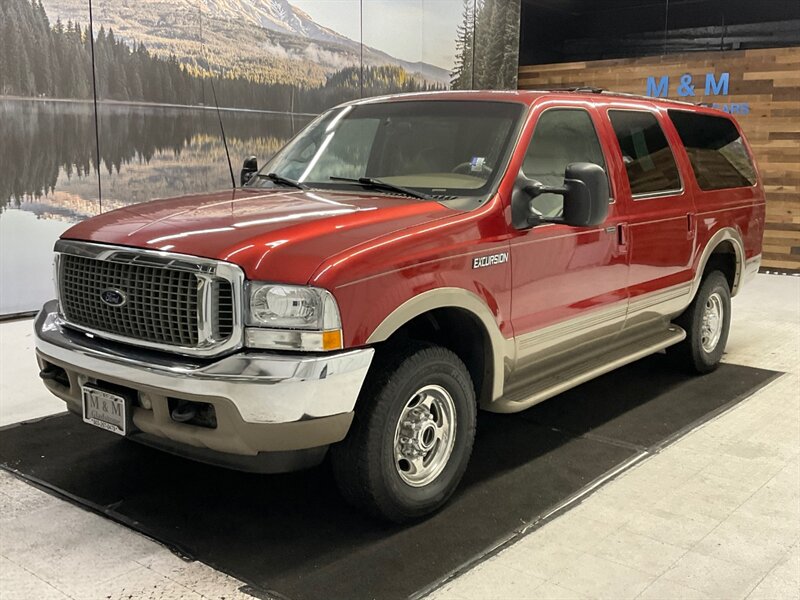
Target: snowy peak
[274, 15]
[282, 17]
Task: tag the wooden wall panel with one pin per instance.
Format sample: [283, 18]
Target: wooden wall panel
[768, 80]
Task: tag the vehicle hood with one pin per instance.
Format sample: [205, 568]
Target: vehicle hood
[277, 235]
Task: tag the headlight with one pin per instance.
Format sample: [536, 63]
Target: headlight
[291, 317]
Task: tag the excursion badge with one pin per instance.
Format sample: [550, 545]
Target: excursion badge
[489, 261]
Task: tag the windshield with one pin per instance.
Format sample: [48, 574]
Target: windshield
[440, 148]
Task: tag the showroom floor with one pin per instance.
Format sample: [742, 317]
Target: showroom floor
[715, 515]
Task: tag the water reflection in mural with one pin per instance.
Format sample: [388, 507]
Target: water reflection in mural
[48, 176]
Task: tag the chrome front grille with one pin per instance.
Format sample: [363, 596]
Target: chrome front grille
[160, 304]
[223, 308]
[171, 302]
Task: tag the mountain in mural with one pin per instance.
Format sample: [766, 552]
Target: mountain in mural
[276, 15]
[268, 41]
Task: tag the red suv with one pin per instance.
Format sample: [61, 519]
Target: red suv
[401, 262]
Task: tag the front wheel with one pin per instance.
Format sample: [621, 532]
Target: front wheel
[707, 323]
[412, 434]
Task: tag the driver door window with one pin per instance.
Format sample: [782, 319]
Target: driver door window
[561, 137]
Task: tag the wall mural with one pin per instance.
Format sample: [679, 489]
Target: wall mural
[271, 64]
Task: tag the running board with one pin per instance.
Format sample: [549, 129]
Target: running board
[571, 376]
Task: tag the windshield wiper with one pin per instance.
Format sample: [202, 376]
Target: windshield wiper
[283, 180]
[383, 185]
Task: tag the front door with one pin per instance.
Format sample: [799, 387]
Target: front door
[569, 283]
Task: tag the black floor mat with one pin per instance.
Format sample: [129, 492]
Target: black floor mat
[292, 534]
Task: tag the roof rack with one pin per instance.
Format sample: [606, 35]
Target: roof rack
[585, 89]
[579, 89]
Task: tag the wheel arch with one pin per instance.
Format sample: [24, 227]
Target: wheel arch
[444, 301]
[724, 251]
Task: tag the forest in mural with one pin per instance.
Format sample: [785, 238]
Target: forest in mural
[37, 60]
[154, 131]
[487, 45]
[43, 59]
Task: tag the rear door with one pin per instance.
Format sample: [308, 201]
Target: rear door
[659, 229]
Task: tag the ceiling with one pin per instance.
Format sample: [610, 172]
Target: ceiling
[569, 30]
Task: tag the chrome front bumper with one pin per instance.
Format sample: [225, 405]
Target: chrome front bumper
[264, 388]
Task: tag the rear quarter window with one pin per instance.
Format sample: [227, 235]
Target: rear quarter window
[716, 150]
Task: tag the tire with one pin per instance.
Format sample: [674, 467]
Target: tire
[368, 465]
[706, 335]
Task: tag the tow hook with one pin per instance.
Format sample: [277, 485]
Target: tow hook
[184, 412]
[55, 374]
[49, 373]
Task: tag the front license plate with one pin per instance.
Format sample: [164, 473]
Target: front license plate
[104, 409]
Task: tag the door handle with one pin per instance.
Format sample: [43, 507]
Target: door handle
[689, 226]
[622, 236]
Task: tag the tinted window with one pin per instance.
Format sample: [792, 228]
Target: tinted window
[648, 159]
[561, 137]
[716, 151]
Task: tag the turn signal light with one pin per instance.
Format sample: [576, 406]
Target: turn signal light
[332, 340]
[293, 339]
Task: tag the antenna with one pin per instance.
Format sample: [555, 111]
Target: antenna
[96, 118]
[222, 129]
[216, 103]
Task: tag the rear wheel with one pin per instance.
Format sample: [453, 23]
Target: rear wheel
[412, 434]
[707, 323]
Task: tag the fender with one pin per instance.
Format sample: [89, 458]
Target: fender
[724, 234]
[450, 297]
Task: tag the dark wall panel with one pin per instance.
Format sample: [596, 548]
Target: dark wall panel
[573, 30]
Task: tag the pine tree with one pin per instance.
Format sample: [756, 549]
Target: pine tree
[23, 82]
[134, 81]
[510, 65]
[5, 51]
[495, 51]
[38, 54]
[484, 16]
[462, 73]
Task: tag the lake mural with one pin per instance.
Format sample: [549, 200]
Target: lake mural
[50, 180]
[161, 68]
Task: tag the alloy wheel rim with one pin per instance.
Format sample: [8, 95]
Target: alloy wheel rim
[425, 435]
[711, 328]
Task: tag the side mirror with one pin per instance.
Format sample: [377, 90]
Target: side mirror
[249, 167]
[585, 192]
[586, 200]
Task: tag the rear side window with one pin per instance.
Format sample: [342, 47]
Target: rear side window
[716, 150]
[648, 158]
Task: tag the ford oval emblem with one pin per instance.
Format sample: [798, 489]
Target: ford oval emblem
[113, 297]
